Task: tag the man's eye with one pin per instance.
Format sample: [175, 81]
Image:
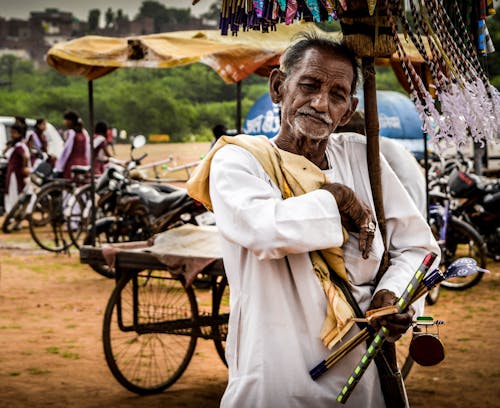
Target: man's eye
[308, 86]
[338, 96]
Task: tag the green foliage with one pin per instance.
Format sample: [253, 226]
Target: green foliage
[93, 20]
[387, 81]
[163, 16]
[183, 102]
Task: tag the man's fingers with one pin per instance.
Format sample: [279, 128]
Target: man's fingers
[366, 236]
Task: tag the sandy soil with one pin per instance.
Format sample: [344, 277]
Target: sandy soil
[51, 311]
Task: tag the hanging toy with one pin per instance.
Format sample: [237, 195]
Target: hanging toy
[371, 6]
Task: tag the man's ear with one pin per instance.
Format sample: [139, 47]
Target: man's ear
[347, 116]
[276, 80]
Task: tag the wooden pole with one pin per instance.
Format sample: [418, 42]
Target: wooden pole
[372, 143]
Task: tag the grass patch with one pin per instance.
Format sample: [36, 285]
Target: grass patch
[11, 327]
[37, 371]
[70, 355]
[13, 374]
[52, 350]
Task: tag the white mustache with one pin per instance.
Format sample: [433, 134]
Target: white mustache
[321, 116]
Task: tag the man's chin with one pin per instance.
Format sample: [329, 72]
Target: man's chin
[312, 130]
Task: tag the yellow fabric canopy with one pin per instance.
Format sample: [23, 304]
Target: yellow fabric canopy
[232, 57]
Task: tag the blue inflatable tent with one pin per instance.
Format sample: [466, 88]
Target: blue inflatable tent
[398, 119]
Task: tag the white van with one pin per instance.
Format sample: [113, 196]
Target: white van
[54, 139]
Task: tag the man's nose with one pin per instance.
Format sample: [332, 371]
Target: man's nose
[320, 102]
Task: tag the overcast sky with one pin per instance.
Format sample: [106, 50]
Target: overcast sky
[21, 8]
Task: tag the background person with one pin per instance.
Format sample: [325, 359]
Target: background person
[18, 166]
[37, 141]
[76, 150]
[101, 147]
[277, 203]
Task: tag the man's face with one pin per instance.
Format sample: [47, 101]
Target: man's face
[316, 96]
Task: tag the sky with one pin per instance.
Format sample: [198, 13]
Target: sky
[21, 8]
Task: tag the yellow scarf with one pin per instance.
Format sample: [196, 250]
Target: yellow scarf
[294, 175]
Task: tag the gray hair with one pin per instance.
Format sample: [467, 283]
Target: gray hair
[294, 54]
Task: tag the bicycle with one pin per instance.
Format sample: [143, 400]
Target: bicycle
[25, 203]
[48, 225]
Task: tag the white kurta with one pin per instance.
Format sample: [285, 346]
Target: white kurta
[277, 303]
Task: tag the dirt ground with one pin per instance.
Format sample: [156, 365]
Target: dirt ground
[51, 311]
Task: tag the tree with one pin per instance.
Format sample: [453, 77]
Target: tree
[213, 12]
[94, 16]
[110, 17]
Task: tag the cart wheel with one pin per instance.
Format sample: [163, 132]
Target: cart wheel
[221, 313]
[148, 331]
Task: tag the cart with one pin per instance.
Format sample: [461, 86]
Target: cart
[153, 318]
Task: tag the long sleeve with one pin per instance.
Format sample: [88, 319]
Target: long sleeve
[68, 147]
[249, 210]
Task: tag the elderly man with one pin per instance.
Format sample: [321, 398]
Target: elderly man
[285, 209]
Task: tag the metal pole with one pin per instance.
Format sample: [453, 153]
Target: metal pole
[92, 168]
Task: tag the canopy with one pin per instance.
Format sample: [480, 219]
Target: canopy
[233, 57]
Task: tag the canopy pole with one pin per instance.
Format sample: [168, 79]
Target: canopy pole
[238, 106]
[372, 135]
[92, 167]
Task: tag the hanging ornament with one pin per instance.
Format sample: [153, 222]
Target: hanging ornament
[371, 6]
[313, 7]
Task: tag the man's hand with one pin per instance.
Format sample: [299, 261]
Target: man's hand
[397, 323]
[356, 215]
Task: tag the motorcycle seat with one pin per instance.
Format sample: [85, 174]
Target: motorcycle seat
[160, 203]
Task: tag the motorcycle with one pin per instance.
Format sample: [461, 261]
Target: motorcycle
[139, 210]
[477, 201]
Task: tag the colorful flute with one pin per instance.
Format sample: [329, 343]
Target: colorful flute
[380, 337]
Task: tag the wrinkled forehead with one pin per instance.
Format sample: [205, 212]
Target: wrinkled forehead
[325, 64]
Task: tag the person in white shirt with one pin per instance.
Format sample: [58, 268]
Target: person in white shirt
[280, 203]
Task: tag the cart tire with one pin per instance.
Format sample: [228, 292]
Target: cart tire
[463, 240]
[144, 357]
[220, 309]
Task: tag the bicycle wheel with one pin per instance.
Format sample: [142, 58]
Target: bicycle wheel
[50, 203]
[148, 333]
[463, 240]
[405, 362]
[16, 215]
[78, 215]
[220, 314]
